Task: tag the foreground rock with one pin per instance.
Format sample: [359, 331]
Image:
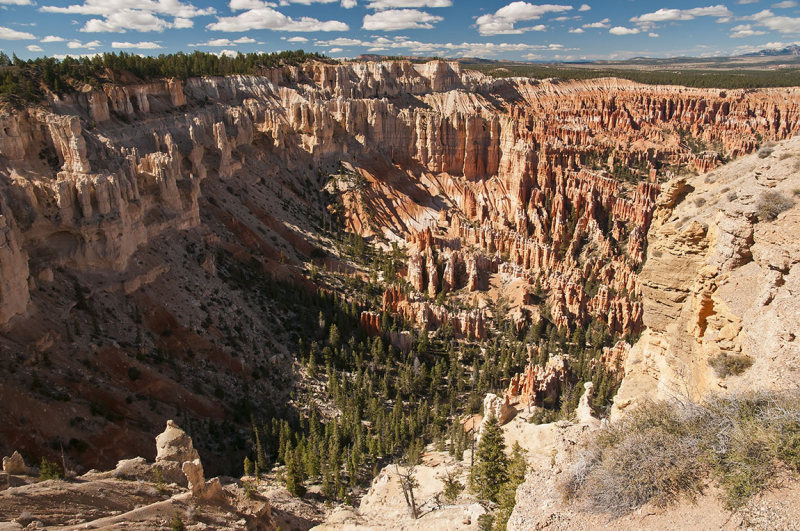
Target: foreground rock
[135, 494]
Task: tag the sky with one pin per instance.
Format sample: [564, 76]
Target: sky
[515, 30]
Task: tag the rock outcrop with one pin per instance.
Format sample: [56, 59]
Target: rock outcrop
[718, 283]
[15, 465]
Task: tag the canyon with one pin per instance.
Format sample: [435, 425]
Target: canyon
[136, 218]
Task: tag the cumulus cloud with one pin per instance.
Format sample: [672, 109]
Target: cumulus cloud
[145, 45]
[297, 39]
[621, 30]
[8, 34]
[77, 45]
[585, 7]
[53, 38]
[267, 18]
[504, 20]
[349, 4]
[785, 5]
[134, 20]
[653, 34]
[224, 42]
[672, 15]
[335, 50]
[464, 49]
[576, 30]
[18, 3]
[744, 30]
[60, 56]
[404, 4]
[601, 24]
[137, 15]
[35, 48]
[742, 2]
[399, 19]
[768, 19]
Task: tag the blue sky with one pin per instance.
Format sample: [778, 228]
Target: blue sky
[346, 28]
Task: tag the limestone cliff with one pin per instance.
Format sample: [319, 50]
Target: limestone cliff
[719, 282]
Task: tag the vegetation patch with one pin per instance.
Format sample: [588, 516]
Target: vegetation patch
[663, 451]
[730, 364]
[771, 204]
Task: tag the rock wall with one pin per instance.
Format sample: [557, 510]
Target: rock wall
[718, 283]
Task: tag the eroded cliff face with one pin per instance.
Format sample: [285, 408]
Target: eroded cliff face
[123, 210]
[719, 282]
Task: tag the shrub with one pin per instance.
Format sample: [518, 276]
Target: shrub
[766, 150]
[730, 364]
[49, 470]
[662, 451]
[177, 523]
[452, 487]
[772, 203]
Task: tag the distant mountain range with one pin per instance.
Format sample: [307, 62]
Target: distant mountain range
[774, 52]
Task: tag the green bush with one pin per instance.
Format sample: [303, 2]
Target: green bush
[663, 451]
[49, 470]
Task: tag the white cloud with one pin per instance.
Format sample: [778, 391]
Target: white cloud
[653, 34]
[268, 18]
[173, 8]
[503, 21]
[335, 50]
[76, 45]
[576, 30]
[621, 30]
[601, 24]
[137, 15]
[35, 48]
[585, 7]
[297, 39]
[18, 3]
[224, 42]
[400, 4]
[399, 19]
[785, 5]
[8, 34]
[135, 20]
[744, 30]
[532, 56]
[74, 55]
[145, 45]
[768, 19]
[741, 2]
[464, 49]
[349, 4]
[53, 38]
[671, 15]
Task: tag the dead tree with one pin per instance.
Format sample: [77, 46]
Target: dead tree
[408, 482]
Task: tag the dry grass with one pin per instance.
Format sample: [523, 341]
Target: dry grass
[663, 451]
[772, 203]
[730, 364]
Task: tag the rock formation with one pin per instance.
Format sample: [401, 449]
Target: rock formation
[15, 465]
[718, 282]
[126, 211]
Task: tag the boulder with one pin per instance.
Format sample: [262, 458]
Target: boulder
[174, 445]
[15, 465]
[208, 491]
[499, 407]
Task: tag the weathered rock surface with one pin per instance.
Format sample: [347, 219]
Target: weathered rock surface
[15, 465]
[719, 281]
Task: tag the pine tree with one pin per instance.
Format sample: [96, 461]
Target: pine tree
[490, 471]
[517, 467]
